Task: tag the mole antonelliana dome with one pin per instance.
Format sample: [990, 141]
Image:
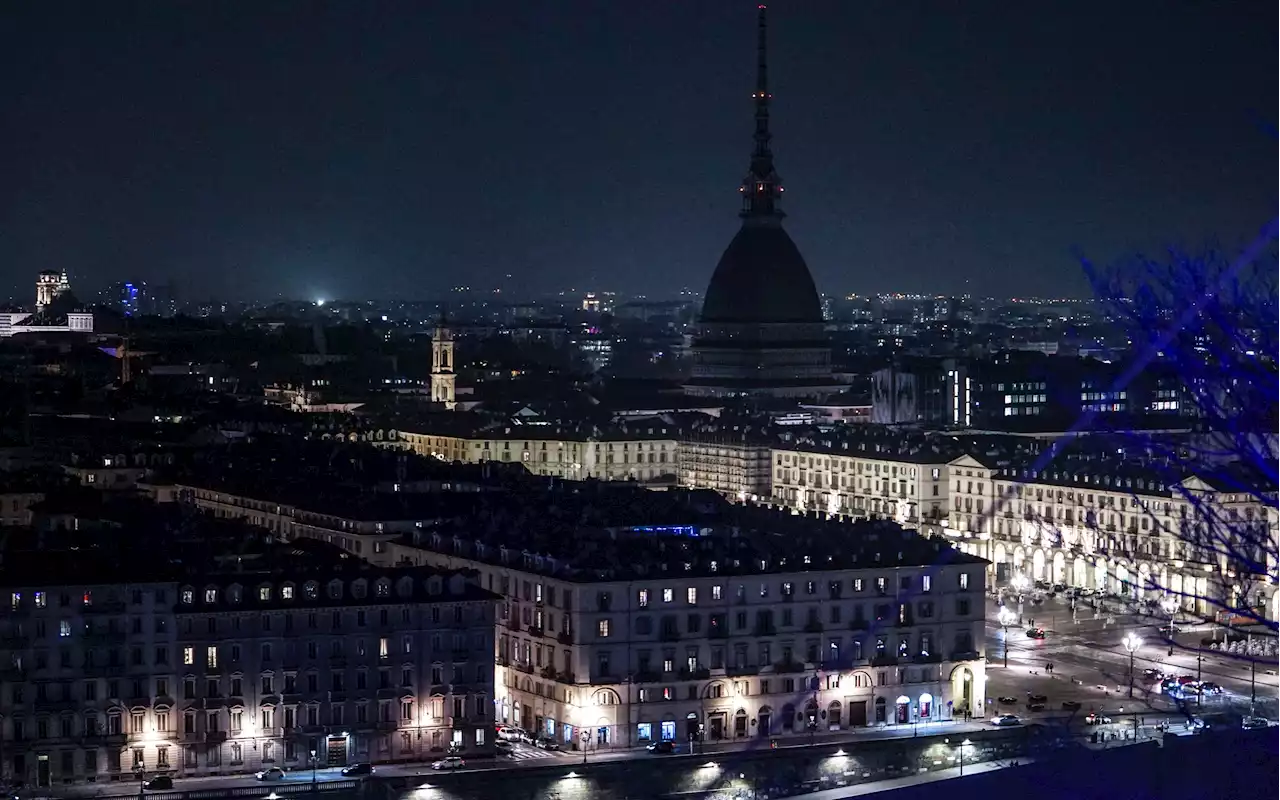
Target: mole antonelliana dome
[761, 329]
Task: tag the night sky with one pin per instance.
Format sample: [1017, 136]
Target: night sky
[373, 148]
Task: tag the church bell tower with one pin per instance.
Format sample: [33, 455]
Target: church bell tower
[442, 374]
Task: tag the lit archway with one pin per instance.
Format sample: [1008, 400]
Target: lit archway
[1059, 567]
[1123, 587]
[999, 553]
[1037, 565]
[926, 706]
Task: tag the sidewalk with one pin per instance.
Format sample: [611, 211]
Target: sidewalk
[932, 776]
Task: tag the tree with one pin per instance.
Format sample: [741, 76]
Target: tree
[1214, 321]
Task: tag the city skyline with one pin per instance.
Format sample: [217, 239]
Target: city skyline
[604, 150]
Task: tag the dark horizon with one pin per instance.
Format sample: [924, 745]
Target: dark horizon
[350, 151]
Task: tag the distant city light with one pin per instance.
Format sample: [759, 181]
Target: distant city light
[320, 301]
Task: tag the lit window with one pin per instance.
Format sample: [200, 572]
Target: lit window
[286, 592]
[15, 599]
[264, 593]
[211, 595]
[188, 596]
[715, 592]
[211, 657]
[668, 595]
[602, 628]
[383, 649]
[643, 598]
[691, 595]
[87, 599]
[64, 629]
[188, 655]
[926, 581]
[964, 580]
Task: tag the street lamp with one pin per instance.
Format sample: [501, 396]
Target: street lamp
[313, 768]
[1006, 618]
[1020, 584]
[1131, 643]
[585, 736]
[963, 745]
[1170, 606]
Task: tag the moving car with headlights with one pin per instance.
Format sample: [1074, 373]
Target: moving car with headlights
[1006, 720]
[662, 747]
[271, 774]
[1096, 718]
[357, 770]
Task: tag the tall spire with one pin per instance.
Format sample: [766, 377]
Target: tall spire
[762, 188]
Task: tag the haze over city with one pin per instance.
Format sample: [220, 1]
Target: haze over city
[258, 150]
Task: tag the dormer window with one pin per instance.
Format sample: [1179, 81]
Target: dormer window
[211, 595]
[264, 594]
[286, 591]
[311, 590]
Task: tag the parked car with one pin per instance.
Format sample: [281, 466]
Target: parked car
[1008, 701]
[1070, 705]
[1209, 687]
[547, 743]
[1035, 706]
[357, 770]
[1006, 720]
[159, 782]
[504, 746]
[1253, 723]
[1035, 633]
[452, 762]
[508, 734]
[271, 774]
[662, 747]
[1037, 698]
[1152, 675]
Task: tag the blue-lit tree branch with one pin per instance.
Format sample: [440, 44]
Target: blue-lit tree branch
[1214, 322]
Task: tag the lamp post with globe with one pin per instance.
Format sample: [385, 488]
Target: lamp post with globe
[1006, 618]
[1020, 584]
[1170, 606]
[1131, 643]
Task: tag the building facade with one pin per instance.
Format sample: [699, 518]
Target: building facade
[229, 674]
[632, 454]
[724, 657]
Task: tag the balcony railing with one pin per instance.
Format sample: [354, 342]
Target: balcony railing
[813, 626]
[564, 637]
[884, 660]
